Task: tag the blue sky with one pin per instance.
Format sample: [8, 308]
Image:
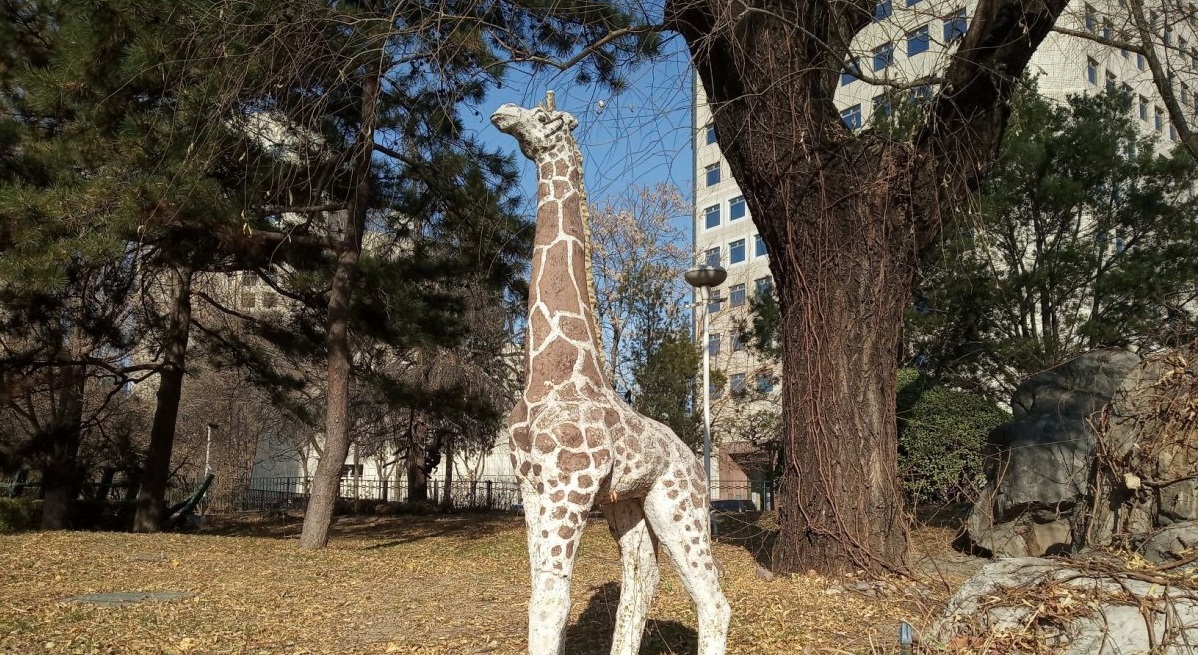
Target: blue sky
[640, 138]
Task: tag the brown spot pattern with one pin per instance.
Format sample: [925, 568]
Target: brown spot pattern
[570, 461]
[569, 436]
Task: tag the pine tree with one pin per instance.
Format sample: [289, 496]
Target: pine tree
[1082, 238]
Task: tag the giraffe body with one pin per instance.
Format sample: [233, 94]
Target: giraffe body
[576, 443]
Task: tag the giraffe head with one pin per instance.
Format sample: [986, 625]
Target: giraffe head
[539, 130]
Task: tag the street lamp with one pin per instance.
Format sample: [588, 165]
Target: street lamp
[208, 449]
[705, 277]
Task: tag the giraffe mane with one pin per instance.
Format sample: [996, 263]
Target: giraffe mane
[586, 245]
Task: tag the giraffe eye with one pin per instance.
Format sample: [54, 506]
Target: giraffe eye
[543, 117]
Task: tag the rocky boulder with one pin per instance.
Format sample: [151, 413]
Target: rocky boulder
[1032, 605]
[1038, 465]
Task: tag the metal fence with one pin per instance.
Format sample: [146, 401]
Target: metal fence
[291, 493]
[282, 494]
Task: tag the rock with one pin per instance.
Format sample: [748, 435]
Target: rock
[1171, 543]
[1071, 609]
[1038, 465]
[834, 590]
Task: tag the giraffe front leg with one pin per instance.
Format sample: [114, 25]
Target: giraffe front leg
[553, 537]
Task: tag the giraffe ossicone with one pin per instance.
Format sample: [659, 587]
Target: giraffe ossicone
[574, 441]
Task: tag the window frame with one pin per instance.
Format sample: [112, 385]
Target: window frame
[883, 56]
[851, 117]
[732, 249]
[708, 212]
[733, 204]
[955, 26]
[708, 172]
[737, 295]
[922, 40]
[760, 248]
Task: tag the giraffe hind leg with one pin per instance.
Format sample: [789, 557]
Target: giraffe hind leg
[638, 562]
[682, 526]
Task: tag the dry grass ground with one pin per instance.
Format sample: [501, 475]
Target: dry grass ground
[456, 584]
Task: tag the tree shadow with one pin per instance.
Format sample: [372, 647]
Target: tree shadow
[756, 532]
[396, 530]
[591, 634]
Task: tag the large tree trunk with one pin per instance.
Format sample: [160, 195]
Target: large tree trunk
[151, 499]
[845, 216]
[843, 300]
[61, 474]
[319, 516]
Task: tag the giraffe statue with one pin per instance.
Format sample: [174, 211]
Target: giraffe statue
[576, 443]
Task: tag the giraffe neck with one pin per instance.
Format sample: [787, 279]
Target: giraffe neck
[564, 344]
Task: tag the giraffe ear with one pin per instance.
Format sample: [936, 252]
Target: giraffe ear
[571, 122]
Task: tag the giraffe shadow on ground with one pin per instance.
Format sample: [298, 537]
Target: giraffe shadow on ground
[591, 634]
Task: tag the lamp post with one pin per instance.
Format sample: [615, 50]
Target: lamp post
[208, 449]
[705, 277]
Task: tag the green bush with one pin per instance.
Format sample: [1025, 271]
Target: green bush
[19, 514]
[941, 434]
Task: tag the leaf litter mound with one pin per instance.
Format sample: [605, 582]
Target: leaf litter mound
[418, 585]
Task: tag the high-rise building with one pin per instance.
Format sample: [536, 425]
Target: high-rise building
[895, 61]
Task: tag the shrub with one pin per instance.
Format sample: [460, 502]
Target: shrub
[942, 433]
[19, 514]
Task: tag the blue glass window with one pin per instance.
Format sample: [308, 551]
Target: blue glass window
[955, 26]
[883, 56]
[1143, 108]
[712, 256]
[713, 344]
[736, 295]
[764, 285]
[918, 40]
[736, 251]
[883, 9]
[1092, 72]
[912, 3]
[850, 73]
[711, 216]
[920, 95]
[852, 117]
[765, 383]
[759, 249]
[714, 304]
[739, 342]
[712, 174]
[736, 383]
[709, 133]
[736, 208]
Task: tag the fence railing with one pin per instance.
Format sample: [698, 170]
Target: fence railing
[292, 493]
[280, 494]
